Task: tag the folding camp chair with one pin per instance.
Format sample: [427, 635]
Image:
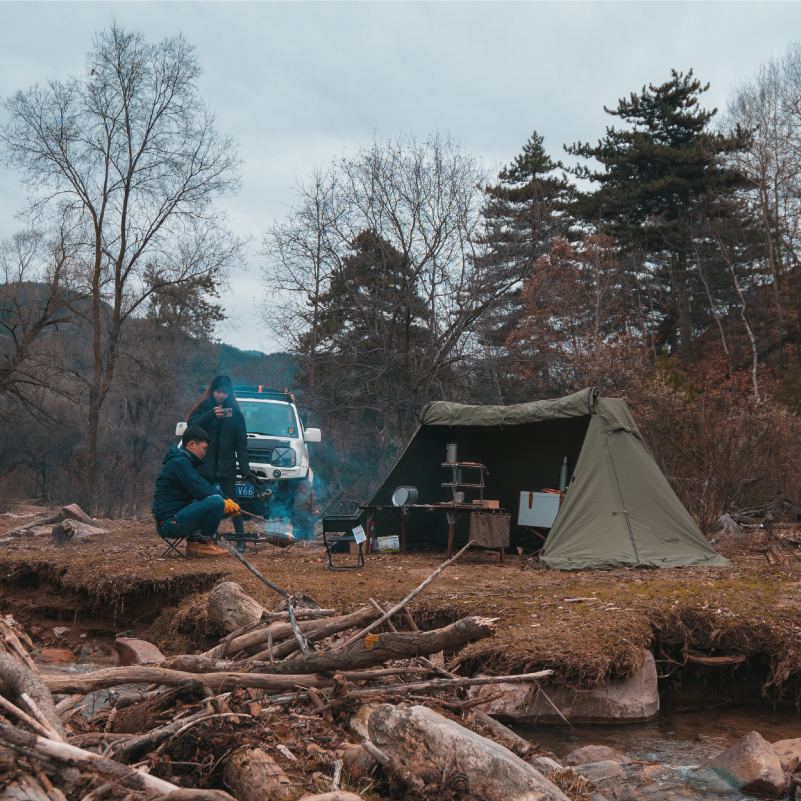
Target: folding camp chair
[172, 543]
[337, 536]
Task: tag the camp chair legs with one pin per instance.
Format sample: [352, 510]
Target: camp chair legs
[336, 568]
[172, 548]
[338, 532]
[172, 544]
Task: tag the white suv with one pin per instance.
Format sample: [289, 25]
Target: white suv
[277, 453]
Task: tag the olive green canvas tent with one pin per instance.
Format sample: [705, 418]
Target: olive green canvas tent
[619, 509]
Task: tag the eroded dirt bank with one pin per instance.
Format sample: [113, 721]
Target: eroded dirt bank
[588, 627]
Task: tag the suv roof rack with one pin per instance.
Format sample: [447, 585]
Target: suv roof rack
[258, 391]
[268, 393]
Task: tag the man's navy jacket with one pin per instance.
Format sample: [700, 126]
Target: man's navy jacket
[179, 484]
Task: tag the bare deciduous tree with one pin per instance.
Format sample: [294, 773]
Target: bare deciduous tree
[375, 276]
[38, 295]
[128, 156]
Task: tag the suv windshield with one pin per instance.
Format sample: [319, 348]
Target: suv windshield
[271, 419]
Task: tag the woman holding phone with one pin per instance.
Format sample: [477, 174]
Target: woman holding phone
[219, 414]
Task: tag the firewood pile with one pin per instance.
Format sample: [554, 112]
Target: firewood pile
[297, 702]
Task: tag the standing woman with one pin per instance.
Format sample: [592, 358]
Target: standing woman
[219, 414]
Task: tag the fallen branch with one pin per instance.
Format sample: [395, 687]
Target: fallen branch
[402, 604]
[377, 648]
[21, 679]
[499, 728]
[32, 745]
[456, 706]
[281, 631]
[16, 646]
[443, 684]
[303, 643]
[218, 682]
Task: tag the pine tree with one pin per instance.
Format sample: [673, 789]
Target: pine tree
[653, 172]
[524, 214]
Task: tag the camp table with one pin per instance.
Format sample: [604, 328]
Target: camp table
[451, 511]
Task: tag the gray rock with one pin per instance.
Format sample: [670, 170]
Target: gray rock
[545, 764]
[428, 744]
[59, 632]
[596, 753]
[627, 700]
[602, 774]
[789, 754]
[751, 766]
[73, 531]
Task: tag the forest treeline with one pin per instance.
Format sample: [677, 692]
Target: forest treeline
[659, 263]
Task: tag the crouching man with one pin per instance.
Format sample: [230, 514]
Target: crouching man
[184, 504]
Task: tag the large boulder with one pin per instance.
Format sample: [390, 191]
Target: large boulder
[751, 766]
[630, 700]
[430, 745]
[137, 652]
[789, 753]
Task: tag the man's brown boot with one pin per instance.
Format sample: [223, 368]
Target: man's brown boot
[208, 549]
[191, 548]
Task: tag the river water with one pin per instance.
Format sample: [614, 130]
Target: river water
[681, 742]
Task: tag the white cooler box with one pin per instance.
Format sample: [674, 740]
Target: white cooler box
[538, 509]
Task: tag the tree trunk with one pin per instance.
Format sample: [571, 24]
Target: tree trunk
[441, 751]
[252, 640]
[231, 608]
[377, 648]
[775, 274]
[19, 678]
[685, 314]
[254, 776]
[219, 682]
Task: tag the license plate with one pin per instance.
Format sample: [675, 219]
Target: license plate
[245, 491]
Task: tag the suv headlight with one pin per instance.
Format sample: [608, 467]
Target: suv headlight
[283, 457]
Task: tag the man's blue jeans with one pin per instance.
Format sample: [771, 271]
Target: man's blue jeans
[204, 515]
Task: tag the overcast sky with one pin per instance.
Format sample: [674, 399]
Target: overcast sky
[299, 84]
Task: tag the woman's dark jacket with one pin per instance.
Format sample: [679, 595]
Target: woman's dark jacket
[227, 440]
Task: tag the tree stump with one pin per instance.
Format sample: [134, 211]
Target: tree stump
[231, 608]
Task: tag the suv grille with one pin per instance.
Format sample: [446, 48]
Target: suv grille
[261, 455]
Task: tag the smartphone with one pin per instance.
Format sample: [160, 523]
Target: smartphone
[227, 413]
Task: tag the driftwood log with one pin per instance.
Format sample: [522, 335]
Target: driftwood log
[377, 648]
[430, 745]
[336, 795]
[20, 679]
[312, 629]
[255, 776]
[218, 682]
[32, 745]
[231, 608]
[373, 650]
[317, 630]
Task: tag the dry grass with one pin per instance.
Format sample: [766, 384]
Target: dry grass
[751, 609]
